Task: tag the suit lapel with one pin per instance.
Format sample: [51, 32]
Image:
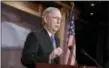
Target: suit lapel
[57, 41]
[45, 41]
[48, 38]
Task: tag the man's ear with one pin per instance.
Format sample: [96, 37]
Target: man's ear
[45, 19]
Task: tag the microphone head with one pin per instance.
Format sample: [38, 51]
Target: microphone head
[84, 52]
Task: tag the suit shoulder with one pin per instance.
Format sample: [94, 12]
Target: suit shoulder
[36, 31]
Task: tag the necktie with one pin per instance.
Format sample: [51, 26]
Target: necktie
[53, 41]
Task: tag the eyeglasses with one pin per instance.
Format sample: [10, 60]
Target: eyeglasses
[54, 17]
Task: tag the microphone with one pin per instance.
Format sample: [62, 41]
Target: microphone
[86, 54]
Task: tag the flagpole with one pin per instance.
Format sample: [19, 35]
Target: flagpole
[70, 38]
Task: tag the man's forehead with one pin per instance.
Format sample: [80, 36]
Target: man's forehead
[56, 13]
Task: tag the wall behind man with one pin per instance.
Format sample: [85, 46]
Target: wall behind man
[16, 25]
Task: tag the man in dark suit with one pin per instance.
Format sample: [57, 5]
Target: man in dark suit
[42, 45]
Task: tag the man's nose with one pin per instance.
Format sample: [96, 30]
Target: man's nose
[58, 22]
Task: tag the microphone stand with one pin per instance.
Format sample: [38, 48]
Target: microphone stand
[86, 54]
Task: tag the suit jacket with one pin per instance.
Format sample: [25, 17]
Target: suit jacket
[37, 48]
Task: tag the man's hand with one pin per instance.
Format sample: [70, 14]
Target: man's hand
[55, 53]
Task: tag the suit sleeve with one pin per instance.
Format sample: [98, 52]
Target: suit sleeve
[30, 51]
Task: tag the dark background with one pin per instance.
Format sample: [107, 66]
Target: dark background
[92, 32]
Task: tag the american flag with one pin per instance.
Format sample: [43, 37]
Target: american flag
[70, 41]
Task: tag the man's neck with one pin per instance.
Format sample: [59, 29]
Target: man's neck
[49, 30]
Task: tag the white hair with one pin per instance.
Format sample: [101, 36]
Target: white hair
[49, 10]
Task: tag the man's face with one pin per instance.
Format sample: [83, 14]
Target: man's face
[54, 21]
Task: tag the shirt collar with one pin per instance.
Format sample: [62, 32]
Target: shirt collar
[49, 33]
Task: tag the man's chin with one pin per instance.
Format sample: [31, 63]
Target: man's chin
[55, 30]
